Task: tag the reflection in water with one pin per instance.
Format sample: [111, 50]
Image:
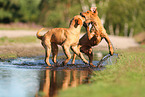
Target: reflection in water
[56, 80]
[28, 77]
[18, 82]
[22, 82]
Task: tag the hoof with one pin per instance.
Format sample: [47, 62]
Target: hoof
[48, 64]
[91, 64]
[57, 65]
[73, 63]
[99, 66]
[48, 67]
[111, 53]
[86, 62]
[62, 64]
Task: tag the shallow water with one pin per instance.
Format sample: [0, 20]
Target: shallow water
[28, 77]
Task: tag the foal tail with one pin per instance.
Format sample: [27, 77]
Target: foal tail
[38, 35]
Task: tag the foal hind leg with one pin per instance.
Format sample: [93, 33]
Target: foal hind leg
[54, 51]
[47, 46]
[89, 52]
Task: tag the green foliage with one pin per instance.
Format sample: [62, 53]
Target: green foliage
[119, 12]
[124, 79]
[7, 9]
[55, 17]
[26, 39]
[58, 13]
[29, 10]
[18, 10]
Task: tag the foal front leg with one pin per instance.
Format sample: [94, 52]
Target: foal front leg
[89, 52]
[76, 50]
[67, 53]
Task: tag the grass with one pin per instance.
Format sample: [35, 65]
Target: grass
[8, 53]
[3, 28]
[143, 46]
[8, 56]
[25, 39]
[124, 79]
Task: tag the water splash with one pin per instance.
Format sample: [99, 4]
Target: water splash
[29, 77]
[38, 63]
[108, 60]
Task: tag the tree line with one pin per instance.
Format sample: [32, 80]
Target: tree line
[119, 17]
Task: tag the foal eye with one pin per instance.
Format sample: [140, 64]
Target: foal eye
[87, 12]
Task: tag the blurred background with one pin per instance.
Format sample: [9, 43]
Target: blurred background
[120, 17]
[22, 55]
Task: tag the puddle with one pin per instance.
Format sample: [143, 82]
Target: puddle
[28, 77]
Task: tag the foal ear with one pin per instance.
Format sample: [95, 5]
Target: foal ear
[78, 22]
[70, 22]
[93, 9]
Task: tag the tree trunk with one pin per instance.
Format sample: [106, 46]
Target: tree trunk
[131, 32]
[117, 30]
[126, 29]
[92, 3]
[103, 19]
[111, 29]
[44, 6]
[66, 12]
[84, 7]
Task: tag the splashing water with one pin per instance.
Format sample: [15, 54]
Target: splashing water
[38, 62]
[108, 60]
[28, 77]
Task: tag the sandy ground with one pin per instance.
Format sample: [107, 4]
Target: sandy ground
[17, 33]
[117, 41]
[33, 49]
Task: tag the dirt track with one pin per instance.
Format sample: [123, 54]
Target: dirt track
[33, 49]
[118, 42]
